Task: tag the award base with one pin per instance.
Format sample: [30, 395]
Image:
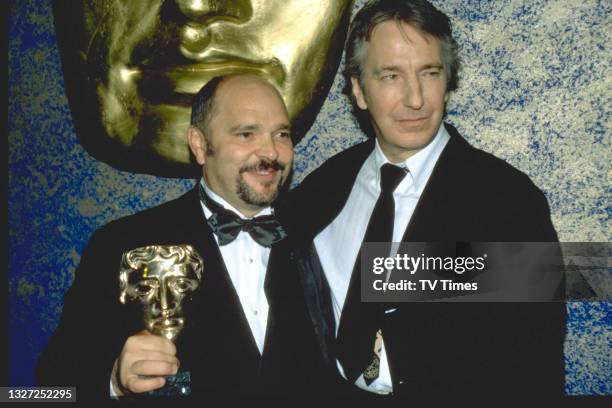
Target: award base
[178, 385]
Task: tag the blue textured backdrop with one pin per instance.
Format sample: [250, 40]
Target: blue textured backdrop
[535, 90]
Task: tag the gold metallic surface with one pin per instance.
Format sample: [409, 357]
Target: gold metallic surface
[161, 278]
[132, 67]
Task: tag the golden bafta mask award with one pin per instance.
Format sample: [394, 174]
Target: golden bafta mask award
[131, 68]
[162, 279]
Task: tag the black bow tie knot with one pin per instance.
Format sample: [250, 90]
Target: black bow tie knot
[226, 224]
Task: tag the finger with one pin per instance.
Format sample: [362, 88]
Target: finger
[153, 368]
[150, 342]
[133, 356]
[137, 384]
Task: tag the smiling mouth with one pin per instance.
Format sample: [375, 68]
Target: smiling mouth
[177, 85]
[265, 176]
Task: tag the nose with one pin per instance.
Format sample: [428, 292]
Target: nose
[199, 14]
[267, 148]
[166, 300]
[413, 94]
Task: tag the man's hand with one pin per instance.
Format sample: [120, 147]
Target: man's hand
[144, 361]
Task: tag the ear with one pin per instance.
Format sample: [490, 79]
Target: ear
[197, 144]
[358, 93]
[446, 97]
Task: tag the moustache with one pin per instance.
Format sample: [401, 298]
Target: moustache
[263, 165]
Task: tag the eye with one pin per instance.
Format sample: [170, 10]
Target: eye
[145, 287]
[182, 285]
[283, 135]
[245, 135]
[388, 77]
[432, 73]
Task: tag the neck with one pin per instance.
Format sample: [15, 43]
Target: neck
[396, 156]
[249, 212]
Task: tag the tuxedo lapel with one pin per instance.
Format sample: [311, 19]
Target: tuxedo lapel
[317, 296]
[280, 285]
[271, 289]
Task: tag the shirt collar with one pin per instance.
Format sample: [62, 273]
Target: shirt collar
[214, 196]
[420, 165]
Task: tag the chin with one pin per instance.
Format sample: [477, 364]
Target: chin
[261, 197]
[268, 196]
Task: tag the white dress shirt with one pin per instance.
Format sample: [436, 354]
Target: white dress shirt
[345, 233]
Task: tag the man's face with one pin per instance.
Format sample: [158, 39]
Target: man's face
[132, 67]
[248, 152]
[403, 87]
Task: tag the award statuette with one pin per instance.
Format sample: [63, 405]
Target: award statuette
[162, 278]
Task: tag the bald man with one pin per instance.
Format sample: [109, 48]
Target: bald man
[247, 330]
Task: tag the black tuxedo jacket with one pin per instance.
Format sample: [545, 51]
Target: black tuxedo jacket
[446, 348]
[216, 346]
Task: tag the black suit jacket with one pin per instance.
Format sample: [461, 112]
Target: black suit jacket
[217, 345]
[446, 348]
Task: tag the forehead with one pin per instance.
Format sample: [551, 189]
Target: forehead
[244, 95]
[399, 40]
[160, 270]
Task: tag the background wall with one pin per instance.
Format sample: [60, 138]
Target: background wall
[535, 90]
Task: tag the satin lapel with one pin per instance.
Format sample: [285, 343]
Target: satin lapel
[274, 267]
[217, 290]
[317, 296]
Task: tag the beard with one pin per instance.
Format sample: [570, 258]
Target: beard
[256, 198]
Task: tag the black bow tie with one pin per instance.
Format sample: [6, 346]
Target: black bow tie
[226, 224]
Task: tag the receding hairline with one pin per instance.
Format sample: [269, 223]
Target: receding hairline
[208, 113]
[400, 23]
[227, 80]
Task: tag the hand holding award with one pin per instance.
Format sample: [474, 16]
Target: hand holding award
[161, 278]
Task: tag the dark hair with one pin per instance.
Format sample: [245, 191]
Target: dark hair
[420, 14]
[203, 104]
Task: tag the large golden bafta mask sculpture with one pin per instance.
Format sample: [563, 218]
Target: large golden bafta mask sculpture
[132, 67]
[161, 278]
